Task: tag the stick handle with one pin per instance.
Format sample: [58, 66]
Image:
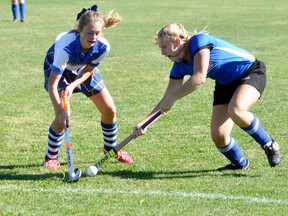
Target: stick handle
[151, 119]
[68, 142]
[65, 103]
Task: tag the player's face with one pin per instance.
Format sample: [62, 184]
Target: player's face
[170, 49]
[90, 34]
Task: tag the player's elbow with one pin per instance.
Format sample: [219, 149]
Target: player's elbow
[199, 81]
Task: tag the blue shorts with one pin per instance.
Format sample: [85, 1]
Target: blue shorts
[92, 86]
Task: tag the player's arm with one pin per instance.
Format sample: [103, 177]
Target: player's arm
[173, 84]
[55, 98]
[82, 77]
[201, 64]
[176, 89]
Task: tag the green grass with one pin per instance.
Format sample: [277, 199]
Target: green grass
[175, 161]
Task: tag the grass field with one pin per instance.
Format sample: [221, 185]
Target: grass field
[175, 162]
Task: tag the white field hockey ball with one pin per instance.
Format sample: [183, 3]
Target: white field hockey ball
[91, 171]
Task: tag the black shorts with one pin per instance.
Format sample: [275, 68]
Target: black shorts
[254, 76]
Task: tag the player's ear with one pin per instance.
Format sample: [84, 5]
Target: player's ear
[178, 41]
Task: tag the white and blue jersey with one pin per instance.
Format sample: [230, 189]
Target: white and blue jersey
[66, 58]
[227, 62]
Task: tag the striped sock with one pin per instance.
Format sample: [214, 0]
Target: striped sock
[258, 133]
[233, 153]
[54, 143]
[109, 132]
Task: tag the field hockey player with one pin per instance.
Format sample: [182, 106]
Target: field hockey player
[239, 78]
[71, 65]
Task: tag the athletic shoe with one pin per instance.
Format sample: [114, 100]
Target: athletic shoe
[22, 20]
[52, 164]
[273, 153]
[122, 156]
[235, 167]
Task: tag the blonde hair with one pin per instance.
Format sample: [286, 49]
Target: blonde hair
[174, 30]
[108, 21]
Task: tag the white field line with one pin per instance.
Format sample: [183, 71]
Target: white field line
[149, 193]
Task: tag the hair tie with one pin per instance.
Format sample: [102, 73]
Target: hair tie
[92, 8]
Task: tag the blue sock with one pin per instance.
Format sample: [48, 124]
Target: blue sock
[54, 143]
[233, 153]
[256, 131]
[22, 7]
[15, 11]
[109, 132]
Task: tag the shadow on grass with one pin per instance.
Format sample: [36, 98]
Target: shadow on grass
[29, 177]
[125, 174]
[19, 166]
[9, 174]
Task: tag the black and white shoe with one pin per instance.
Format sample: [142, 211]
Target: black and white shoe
[272, 151]
[235, 167]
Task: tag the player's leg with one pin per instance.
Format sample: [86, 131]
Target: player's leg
[56, 130]
[55, 137]
[14, 7]
[243, 99]
[221, 126]
[22, 7]
[102, 99]
[106, 107]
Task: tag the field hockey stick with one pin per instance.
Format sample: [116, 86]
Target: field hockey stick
[74, 175]
[114, 151]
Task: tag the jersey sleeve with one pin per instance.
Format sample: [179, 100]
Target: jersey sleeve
[200, 41]
[61, 57]
[60, 61]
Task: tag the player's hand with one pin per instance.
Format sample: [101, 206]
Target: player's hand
[68, 92]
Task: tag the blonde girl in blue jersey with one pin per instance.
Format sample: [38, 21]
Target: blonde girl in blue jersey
[239, 78]
[71, 65]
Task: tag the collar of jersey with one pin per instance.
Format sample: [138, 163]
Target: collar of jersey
[95, 48]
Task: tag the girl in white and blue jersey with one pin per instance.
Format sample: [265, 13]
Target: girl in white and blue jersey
[71, 65]
[239, 78]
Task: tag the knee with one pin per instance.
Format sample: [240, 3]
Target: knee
[109, 113]
[219, 139]
[235, 112]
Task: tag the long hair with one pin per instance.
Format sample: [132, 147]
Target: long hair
[174, 30]
[108, 21]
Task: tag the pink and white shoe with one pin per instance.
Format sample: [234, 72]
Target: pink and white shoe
[52, 164]
[122, 156]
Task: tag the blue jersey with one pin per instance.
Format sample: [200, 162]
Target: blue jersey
[227, 62]
[66, 54]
